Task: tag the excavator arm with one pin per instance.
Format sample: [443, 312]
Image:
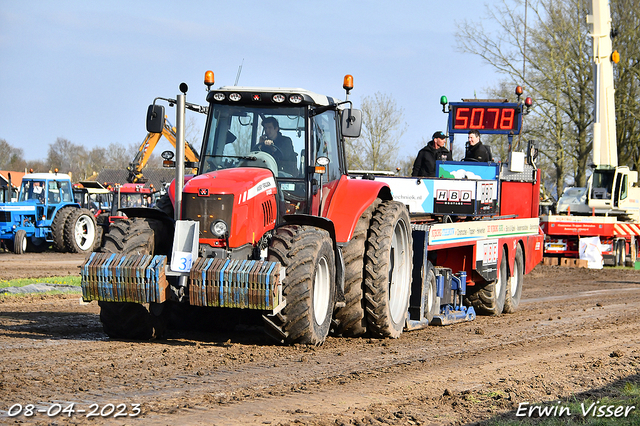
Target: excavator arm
[146, 149]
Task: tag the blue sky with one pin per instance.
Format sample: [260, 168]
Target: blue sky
[86, 71]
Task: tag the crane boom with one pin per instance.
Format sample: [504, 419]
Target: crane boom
[146, 149]
[604, 124]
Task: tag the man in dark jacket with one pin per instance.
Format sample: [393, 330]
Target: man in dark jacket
[425, 164]
[475, 150]
[278, 145]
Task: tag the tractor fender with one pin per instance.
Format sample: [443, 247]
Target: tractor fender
[172, 188]
[327, 225]
[350, 200]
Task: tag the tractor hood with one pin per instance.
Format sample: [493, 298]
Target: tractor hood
[244, 182]
[19, 206]
[234, 207]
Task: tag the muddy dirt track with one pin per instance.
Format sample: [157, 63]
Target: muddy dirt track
[577, 333]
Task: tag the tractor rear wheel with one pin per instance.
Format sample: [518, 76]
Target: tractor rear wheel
[20, 241]
[57, 228]
[488, 299]
[126, 320]
[351, 319]
[514, 287]
[80, 231]
[388, 266]
[307, 254]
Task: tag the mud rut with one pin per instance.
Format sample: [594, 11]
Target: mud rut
[576, 332]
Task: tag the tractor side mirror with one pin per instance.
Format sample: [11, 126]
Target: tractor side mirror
[155, 118]
[351, 123]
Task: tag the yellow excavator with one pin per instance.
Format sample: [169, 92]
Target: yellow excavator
[147, 147]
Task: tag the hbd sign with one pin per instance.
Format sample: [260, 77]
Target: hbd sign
[454, 196]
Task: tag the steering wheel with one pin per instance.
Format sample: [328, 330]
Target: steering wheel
[276, 152]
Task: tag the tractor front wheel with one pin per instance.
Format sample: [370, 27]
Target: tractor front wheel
[125, 320]
[20, 242]
[309, 286]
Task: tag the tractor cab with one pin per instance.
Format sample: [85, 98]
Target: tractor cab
[46, 191]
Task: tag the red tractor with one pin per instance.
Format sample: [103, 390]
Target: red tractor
[271, 224]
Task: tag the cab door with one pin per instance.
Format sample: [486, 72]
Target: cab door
[325, 143]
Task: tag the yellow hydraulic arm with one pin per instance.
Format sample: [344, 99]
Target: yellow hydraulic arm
[146, 149]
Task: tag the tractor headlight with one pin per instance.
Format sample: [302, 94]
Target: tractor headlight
[219, 229]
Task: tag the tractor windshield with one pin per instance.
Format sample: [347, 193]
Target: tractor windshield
[133, 200]
[33, 190]
[242, 136]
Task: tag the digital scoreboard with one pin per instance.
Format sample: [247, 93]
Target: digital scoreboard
[486, 117]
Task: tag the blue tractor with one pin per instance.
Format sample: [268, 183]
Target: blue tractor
[46, 214]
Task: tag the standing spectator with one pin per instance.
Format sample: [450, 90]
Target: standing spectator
[476, 151]
[425, 164]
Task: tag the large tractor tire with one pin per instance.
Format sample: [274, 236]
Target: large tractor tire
[388, 266]
[351, 319]
[98, 241]
[80, 231]
[125, 320]
[57, 228]
[20, 241]
[307, 254]
[488, 299]
[514, 287]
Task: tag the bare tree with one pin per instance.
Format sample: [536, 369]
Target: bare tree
[383, 126]
[626, 28]
[117, 156]
[68, 157]
[557, 72]
[11, 158]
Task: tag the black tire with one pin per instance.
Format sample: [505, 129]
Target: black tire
[124, 320]
[98, 242]
[431, 299]
[488, 299]
[164, 204]
[38, 245]
[137, 236]
[351, 320]
[57, 228]
[20, 241]
[80, 231]
[307, 254]
[514, 286]
[388, 266]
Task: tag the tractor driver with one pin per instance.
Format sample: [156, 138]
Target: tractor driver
[279, 146]
[37, 191]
